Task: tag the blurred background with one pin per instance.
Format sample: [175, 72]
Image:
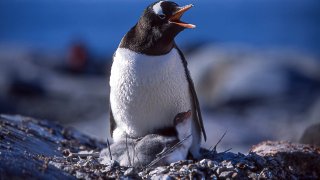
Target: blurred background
[255, 64]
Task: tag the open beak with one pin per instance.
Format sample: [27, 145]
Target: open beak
[175, 18]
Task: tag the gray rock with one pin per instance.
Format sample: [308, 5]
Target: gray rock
[204, 162]
[80, 175]
[221, 169]
[159, 170]
[212, 164]
[311, 135]
[129, 172]
[225, 174]
[229, 166]
[161, 177]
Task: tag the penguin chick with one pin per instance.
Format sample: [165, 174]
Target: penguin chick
[156, 148]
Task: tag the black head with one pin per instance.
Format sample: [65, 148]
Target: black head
[165, 15]
[156, 29]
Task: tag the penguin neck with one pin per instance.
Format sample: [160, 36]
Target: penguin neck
[147, 40]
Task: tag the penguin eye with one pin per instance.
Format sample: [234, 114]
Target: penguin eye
[162, 16]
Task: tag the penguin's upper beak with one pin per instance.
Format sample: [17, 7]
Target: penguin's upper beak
[175, 18]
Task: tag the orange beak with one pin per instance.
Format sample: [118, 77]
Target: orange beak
[175, 18]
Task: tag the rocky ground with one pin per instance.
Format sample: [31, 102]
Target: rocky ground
[31, 148]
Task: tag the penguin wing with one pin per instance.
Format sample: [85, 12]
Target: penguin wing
[194, 97]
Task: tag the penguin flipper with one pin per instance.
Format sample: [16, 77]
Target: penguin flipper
[194, 97]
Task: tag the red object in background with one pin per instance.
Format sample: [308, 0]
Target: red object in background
[78, 57]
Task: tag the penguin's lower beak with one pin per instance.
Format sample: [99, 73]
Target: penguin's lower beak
[175, 18]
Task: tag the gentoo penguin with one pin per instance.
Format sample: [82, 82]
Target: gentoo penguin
[153, 149]
[150, 82]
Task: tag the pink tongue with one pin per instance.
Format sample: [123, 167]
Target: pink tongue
[186, 25]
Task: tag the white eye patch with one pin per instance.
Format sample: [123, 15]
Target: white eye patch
[157, 8]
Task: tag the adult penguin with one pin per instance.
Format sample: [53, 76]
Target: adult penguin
[150, 82]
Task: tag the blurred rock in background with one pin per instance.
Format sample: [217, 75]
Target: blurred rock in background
[46, 90]
[256, 94]
[311, 135]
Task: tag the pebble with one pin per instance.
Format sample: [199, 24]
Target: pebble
[204, 162]
[274, 162]
[68, 169]
[107, 169]
[221, 169]
[163, 169]
[82, 162]
[213, 177]
[162, 177]
[178, 163]
[241, 165]
[80, 175]
[66, 152]
[129, 172]
[229, 165]
[142, 174]
[260, 161]
[253, 175]
[225, 174]
[159, 170]
[192, 166]
[111, 163]
[234, 175]
[97, 172]
[57, 165]
[212, 164]
[184, 169]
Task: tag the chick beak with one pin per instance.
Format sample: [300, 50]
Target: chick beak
[175, 18]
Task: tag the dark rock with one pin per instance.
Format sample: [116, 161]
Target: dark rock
[311, 135]
[225, 174]
[288, 160]
[27, 146]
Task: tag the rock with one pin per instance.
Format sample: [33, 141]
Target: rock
[162, 177]
[225, 174]
[204, 162]
[311, 135]
[80, 175]
[129, 172]
[289, 159]
[35, 149]
[211, 164]
[27, 145]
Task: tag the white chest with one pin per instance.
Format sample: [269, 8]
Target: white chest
[147, 91]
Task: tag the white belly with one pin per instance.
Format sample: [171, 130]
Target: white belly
[146, 91]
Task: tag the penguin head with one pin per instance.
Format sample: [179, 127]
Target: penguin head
[164, 18]
[156, 29]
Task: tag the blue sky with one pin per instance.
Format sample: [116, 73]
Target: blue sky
[101, 23]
